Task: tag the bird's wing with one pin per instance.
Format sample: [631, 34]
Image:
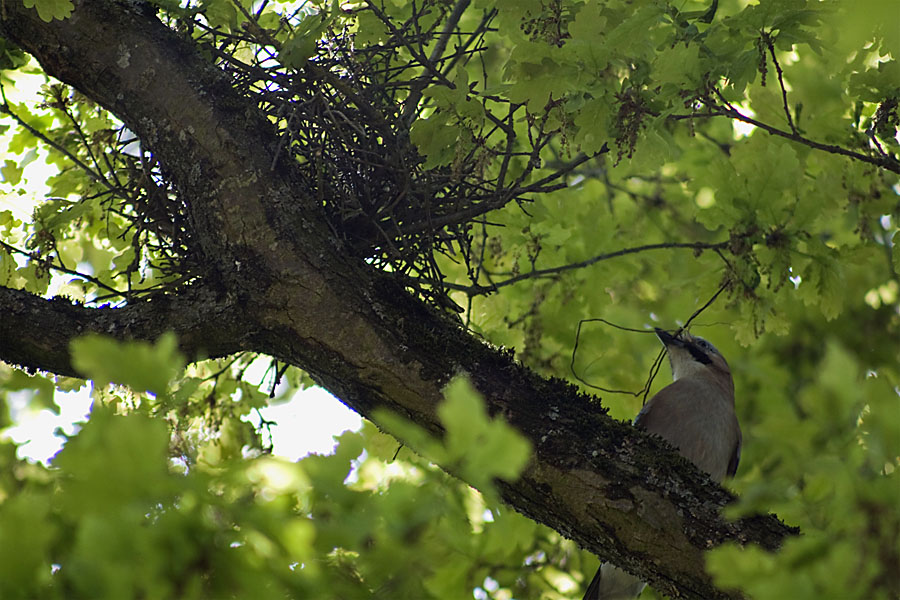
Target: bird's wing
[664, 406]
[735, 456]
[693, 416]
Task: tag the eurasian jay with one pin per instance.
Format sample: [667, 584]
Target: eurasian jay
[694, 413]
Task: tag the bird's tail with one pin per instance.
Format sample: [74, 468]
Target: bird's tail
[612, 583]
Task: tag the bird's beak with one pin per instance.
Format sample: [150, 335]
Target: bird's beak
[670, 342]
[668, 339]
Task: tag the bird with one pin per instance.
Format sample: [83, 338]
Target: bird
[695, 413]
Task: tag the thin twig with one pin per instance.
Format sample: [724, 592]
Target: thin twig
[729, 111]
[419, 85]
[697, 312]
[487, 289]
[770, 44]
[61, 269]
[657, 362]
[575, 351]
[463, 50]
[85, 142]
[7, 109]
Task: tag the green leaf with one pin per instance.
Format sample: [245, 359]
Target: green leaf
[36, 277]
[139, 365]
[113, 461]
[822, 283]
[475, 446]
[487, 448]
[11, 57]
[679, 66]
[25, 518]
[43, 389]
[895, 253]
[51, 9]
[304, 38]
[436, 139]
[592, 123]
[537, 83]
[220, 13]
[297, 50]
[370, 29]
[444, 582]
[12, 173]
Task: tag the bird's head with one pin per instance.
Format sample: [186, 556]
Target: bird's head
[692, 356]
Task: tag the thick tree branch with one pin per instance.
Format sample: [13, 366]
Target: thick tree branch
[35, 333]
[598, 481]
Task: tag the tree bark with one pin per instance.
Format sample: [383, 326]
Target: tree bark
[278, 283]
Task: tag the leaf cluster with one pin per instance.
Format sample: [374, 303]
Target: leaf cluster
[222, 525]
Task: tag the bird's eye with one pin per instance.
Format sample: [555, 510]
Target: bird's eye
[705, 345]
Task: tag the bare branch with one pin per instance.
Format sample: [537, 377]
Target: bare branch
[61, 268]
[475, 290]
[415, 93]
[770, 44]
[5, 108]
[727, 110]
